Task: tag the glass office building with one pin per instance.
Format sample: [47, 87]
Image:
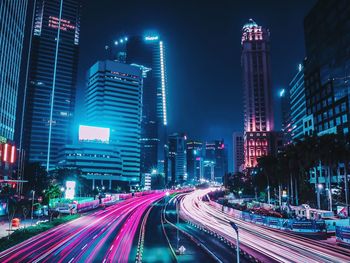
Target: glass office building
[12, 24]
[50, 97]
[113, 100]
[149, 51]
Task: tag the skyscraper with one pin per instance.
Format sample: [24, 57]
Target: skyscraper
[12, 22]
[216, 157]
[149, 51]
[256, 69]
[113, 100]
[238, 151]
[286, 125]
[51, 84]
[176, 168]
[194, 159]
[297, 104]
[327, 66]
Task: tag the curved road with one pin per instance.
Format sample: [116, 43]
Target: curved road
[276, 246]
[104, 236]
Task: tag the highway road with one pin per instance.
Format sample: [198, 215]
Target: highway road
[219, 251]
[273, 246]
[103, 236]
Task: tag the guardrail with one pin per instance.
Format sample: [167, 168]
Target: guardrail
[294, 225]
[342, 234]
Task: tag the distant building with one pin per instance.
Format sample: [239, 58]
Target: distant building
[113, 100]
[209, 170]
[12, 22]
[297, 105]
[149, 51]
[327, 66]
[146, 181]
[286, 126]
[176, 172]
[238, 151]
[258, 115]
[97, 159]
[194, 156]
[50, 98]
[215, 153]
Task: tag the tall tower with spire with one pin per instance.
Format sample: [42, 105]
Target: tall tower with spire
[258, 114]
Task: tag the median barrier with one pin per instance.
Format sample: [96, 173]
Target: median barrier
[293, 225]
[342, 234]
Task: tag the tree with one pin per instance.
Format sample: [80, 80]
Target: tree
[267, 165]
[37, 178]
[52, 192]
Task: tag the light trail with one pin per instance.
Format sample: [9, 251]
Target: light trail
[106, 235]
[277, 245]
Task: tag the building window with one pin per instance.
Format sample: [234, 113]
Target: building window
[338, 121]
[345, 118]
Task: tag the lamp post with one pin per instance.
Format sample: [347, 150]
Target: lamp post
[32, 207]
[235, 227]
[62, 191]
[177, 229]
[319, 188]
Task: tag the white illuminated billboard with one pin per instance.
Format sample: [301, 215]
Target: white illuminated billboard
[93, 134]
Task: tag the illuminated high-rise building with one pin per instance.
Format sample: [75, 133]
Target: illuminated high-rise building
[256, 69]
[194, 160]
[113, 100]
[50, 97]
[12, 21]
[327, 67]
[298, 105]
[175, 163]
[238, 151]
[149, 52]
[216, 159]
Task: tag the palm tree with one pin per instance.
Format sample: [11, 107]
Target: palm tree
[267, 164]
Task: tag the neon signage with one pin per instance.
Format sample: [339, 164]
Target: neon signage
[151, 38]
[7, 153]
[64, 24]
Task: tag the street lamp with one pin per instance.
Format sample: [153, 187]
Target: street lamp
[235, 227]
[33, 191]
[319, 188]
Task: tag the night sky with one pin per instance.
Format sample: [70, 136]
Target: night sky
[203, 51]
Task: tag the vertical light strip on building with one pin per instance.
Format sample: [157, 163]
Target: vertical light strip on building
[162, 71]
[53, 88]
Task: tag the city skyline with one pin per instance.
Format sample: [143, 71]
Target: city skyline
[174, 131]
[190, 53]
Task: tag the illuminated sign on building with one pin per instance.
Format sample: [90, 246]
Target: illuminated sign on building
[64, 25]
[94, 134]
[7, 153]
[151, 38]
[70, 189]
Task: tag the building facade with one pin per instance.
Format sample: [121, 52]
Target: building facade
[12, 24]
[256, 69]
[149, 51]
[194, 160]
[297, 105]
[238, 151]
[286, 124]
[327, 66]
[216, 156]
[176, 168]
[113, 100]
[50, 97]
